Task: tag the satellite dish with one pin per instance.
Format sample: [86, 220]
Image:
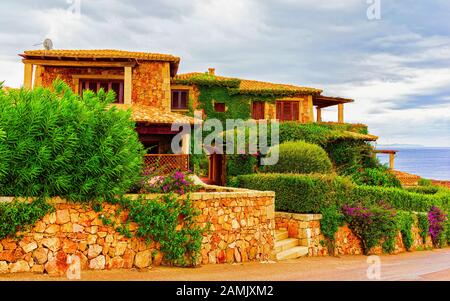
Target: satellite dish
[48, 44]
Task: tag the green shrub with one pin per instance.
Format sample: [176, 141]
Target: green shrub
[301, 157]
[332, 219]
[379, 176]
[423, 189]
[17, 216]
[423, 225]
[425, 182]
[405, 222]
[57, 143]
[310, 193]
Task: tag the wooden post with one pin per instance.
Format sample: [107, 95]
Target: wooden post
[391, 161]
[128, 85]
[341, 113]
[311, 108]
[319, 114]
[28, 76]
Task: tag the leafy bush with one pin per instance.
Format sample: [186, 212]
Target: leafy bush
[424, 189]
[425, 182]
[423, 225]
[57, 143]
[372, 225]
[379, 176]
[159, 220]
[405, 222]
[310, 193]
[332, 219]
[16, 216]
[301, 157]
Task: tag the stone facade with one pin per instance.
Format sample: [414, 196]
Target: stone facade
[242, 226]
[306, 227]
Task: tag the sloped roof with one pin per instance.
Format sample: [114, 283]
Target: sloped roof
[254, 85]
[323, 101]
[153, 115]
[103, 54]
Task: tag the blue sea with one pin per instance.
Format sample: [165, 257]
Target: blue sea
[427, 162]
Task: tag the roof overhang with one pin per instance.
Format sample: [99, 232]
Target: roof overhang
[323, 101]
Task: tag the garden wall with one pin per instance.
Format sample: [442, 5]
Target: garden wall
[241, 229]
[306, 227]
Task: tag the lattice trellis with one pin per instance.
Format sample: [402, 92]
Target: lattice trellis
[165, 163]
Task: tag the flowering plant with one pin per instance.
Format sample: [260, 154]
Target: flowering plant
[437, 219]
[372, 225]
[178, 182]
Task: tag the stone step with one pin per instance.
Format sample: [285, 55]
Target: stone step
[281, 234]
[292, 253]
[285, 244]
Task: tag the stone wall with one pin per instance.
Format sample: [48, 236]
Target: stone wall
[306, 227]
[242, 225]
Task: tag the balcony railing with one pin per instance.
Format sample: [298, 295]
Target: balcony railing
[165, 163]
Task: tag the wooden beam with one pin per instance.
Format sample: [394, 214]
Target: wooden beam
[128, 86]
[319, 114]
[28, 76]
[57, 63]
[391, 161]
[341, 113]
[98, 76]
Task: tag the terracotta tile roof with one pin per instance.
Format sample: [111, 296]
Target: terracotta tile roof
[406, 179]
[254, 85]
[103, 53]
[153, 115]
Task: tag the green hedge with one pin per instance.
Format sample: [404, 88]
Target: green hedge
[56, 143]
[301, 157]
[309, 193]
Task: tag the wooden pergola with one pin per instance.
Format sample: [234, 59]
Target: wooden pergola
[322, 101]
[391, 154]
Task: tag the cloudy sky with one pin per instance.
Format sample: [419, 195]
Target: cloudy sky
[397, 67]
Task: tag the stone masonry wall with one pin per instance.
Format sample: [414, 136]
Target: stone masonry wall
[242, 225]
[306, 227]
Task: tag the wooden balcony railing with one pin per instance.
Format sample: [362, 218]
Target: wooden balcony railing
[165, 163]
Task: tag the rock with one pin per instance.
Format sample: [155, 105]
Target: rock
[30, 247]
[143, 259]
[62, 216]
[116, 263]
[234, 224]
[57, 265]
[9, 244]
[157, 259]
[77, 228]
[91, 239]
[237, 255]
[102, 234]
[51, 243]
[98, 263]
[52, 229]
[40, 255]
[109, 238]
[3, 267]
[74, 217]
[67, 228]
[120, 248]
[20, 266]
[40, 227]
[69, 246]
[94, 251]
[7, 255]
[82, 246]
[38, 268]
[128, 259]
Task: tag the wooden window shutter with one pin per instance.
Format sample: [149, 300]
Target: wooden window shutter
[295, 110]
[258, 110]
[279, 110]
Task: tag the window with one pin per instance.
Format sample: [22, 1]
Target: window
[219, 107]
[107, 85]
[287, 110]
[258, 110]
[180, 99]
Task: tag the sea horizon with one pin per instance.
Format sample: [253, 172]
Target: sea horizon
[430, 162]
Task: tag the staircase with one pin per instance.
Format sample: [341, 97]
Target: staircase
[288, 248]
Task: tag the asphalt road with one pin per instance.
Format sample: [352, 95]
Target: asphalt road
[423, 265]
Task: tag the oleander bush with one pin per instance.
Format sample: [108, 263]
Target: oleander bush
[301, 157]
[57, 143]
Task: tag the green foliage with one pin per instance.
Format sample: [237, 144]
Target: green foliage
[208, 80]
[159, 220]
[240, 165]
[378, 176]
[332, 219]
[310, 193]
[424, 189]
[424, 225]
[372, 225]
[405, 221]
[425, 182]
[301, 157]
[57, 143]
[17, 216]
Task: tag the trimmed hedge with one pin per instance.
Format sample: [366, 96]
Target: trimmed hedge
[301, 157]
[309, 193]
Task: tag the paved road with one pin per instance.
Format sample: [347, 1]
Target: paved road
[425, 265]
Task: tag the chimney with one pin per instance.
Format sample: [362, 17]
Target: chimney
[211, 71]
